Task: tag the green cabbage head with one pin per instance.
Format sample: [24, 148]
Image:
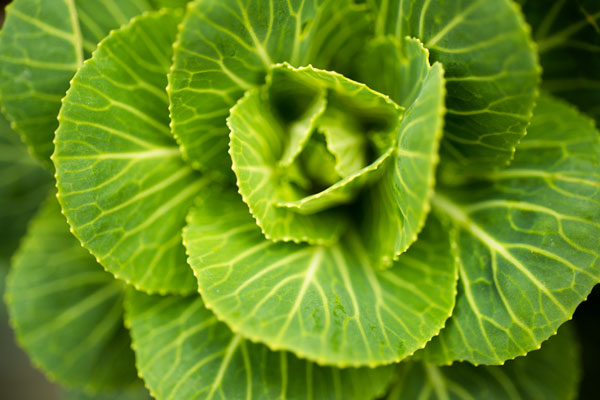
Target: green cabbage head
[346, 184]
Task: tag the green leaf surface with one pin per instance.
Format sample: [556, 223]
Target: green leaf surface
[528, 242]
[568, 37]
[342, 31]
[326, 304]
[121, 181]
[301, 130]
[257, 142]
[66, 311]
[491, 72]
[345, 142]
[341, 192]
[260, 142]
[395, 209]
[23, 186]
[42, 45]
[135, 392]
[169, 3]
[225, 47]
[551, 373]
[184, 352]
[404, 65]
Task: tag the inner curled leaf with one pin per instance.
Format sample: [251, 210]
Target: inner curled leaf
[303, 148]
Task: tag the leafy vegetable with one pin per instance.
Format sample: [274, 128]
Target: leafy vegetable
[324, 190]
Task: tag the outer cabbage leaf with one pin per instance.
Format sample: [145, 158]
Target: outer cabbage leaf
[528, 242]
[184, 352]
[491, 72]
[42, 45]
[23, 186]
[568, 37]
[136, 392]
[225, 48]
[67, 312]
[550, 373]
[121, 181]
[169, 3]
[327, 304]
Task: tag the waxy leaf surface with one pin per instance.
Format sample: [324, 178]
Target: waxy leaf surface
[490, 67]
[395, 209]
[184, 352]
[121, 181]
[225, 47]
[528, 241]
[327, 304]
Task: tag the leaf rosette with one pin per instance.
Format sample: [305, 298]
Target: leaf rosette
[334, 152]
[352, 180]
[309, 149]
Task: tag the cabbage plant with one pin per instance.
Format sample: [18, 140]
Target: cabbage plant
[305, 198]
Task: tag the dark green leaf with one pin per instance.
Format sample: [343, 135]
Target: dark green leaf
[67, 312]
[551, 373]
[23, 186]
[568, 37]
